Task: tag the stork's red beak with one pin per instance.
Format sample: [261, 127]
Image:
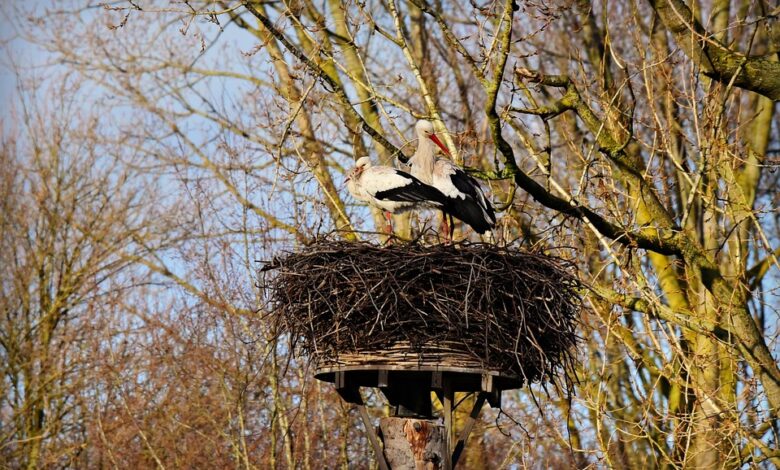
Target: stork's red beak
[441, 145]
[355, 172]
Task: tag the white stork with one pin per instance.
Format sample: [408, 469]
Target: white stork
[394, 191]
[467, 202]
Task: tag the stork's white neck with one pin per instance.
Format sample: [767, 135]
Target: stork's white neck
[424, 159]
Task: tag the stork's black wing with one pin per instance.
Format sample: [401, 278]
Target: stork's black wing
[414, 191]
[469, 186]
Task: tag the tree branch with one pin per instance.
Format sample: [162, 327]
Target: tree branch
[755, 274]
[318, 72]
[716, 60]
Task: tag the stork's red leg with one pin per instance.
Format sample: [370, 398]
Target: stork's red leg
[445, 228]
[388, 223]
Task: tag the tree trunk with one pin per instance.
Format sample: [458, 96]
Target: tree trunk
[414, 443]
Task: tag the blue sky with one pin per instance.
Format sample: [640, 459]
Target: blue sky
[14, 50]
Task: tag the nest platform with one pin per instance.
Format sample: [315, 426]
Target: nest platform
[429, 369]
[473, 312]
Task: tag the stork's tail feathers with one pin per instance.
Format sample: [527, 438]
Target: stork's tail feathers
[480, 217]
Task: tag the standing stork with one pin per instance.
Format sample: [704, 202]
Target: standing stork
[391, 190]
[468, 203]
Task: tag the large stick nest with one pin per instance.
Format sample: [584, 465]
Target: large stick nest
[507, 311]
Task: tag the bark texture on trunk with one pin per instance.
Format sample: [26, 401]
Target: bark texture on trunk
[413, 443]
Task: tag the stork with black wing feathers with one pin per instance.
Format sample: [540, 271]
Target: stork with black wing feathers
[391, 190]
[465, 198]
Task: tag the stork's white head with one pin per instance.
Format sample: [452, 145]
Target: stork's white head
[424, 130]
[361, 164]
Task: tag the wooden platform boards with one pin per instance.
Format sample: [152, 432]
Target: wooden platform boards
[428, 377]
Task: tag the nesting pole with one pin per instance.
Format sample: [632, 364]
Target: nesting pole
[413, 320]
[413, 443]
[412, 437]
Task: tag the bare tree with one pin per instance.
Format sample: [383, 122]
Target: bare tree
[71, 217]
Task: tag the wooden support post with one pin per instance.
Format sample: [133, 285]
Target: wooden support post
[414, 443]
[411, 439]
[449, 396]
[371, 433]
[351, 394]
[464, 434]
